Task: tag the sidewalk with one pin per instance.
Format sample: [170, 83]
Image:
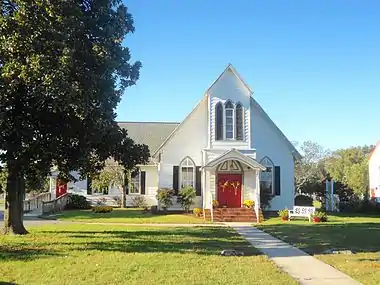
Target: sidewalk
[301, 266]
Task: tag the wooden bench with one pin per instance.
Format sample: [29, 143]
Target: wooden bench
[301, 211]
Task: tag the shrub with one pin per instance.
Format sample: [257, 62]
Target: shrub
[303, 200]
[249, 204]
[117, 200]
[101, 201]
[197, 212]
[165, 197]
[139, 202]
[283, 214]
[102, 209]
[321, 215]
[215, 203]
[186, 197]
[266, 197]
[77, 202]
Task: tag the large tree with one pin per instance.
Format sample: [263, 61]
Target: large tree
[310, 169]
[350, 167]
[63, 69]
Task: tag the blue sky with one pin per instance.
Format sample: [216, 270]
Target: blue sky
[314, 66]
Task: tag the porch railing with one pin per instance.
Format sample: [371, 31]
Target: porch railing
[56, 205]
[36, 202]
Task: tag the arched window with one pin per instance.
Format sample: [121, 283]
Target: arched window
[266, 176]
[229, 116]
[239, 122]
[187, 172]
[219, 121]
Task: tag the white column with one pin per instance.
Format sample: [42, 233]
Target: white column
[257, 202]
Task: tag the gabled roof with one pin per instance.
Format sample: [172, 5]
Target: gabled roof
[233, 70]
[290, 146]
[234, 154]
[150, 133]
[374, 149]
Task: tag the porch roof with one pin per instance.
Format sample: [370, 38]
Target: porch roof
[234, 154]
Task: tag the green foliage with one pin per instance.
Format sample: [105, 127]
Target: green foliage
[3, 179]
[165, 197]
[77, 202]
[197, 212]
[117, 200]
[303, 200]
[186, 197]
[139, 202]
[321, 215]
[350, 166]
[284, 214]
[266, 197]
[102, 209]
[63, 70]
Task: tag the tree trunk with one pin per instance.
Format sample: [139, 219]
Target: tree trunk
[127, 179]
[14, 201]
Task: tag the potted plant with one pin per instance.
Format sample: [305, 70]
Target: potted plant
[249, 204]
[319, 216]
[215, 204]
[284, 214]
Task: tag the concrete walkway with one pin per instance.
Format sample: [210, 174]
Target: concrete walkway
[301, 266]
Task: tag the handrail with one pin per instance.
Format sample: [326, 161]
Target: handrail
[257, 206]
[36, 202]
[56, 205]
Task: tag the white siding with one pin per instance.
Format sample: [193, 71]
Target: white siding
[268, 142]
[374, 171]
[228, 87]
[189, 140]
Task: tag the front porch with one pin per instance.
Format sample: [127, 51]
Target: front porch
[229, 180]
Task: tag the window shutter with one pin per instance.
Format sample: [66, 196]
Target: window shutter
[198, 181]
[277, 181]
[175, 178]
[142, 182]
[126, 183]
[89, 184]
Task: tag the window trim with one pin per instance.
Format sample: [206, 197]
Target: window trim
[139, 190]
[271, 165]
[181, 165]
[216, 121]
[225, 120]
[242, 121]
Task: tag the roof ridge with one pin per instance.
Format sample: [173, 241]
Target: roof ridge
[148, 122]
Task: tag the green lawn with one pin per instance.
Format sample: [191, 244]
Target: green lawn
[134, 216]
[360, 234]
[98, 254]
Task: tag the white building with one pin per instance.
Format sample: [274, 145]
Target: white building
[374, 172]
[226, 148]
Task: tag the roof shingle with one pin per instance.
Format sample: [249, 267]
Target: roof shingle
[152, 134]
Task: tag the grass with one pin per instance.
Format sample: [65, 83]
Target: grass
[98, 254]
[134, 216]
[360, 234]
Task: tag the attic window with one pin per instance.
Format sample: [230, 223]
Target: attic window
[229, 115]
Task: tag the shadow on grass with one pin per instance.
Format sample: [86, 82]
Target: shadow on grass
[319, 238]
[15, 253]
[204, 241]
[7, 283]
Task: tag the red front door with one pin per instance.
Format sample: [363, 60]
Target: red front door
[60, 189]
[229, 190]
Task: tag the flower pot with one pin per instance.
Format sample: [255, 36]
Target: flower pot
[316, 219]
[285, 218]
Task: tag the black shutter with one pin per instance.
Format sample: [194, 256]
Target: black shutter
[198, 181]
[142, 182]
[175, 179]
[126, 185]
[277, 181]
[89, 184]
